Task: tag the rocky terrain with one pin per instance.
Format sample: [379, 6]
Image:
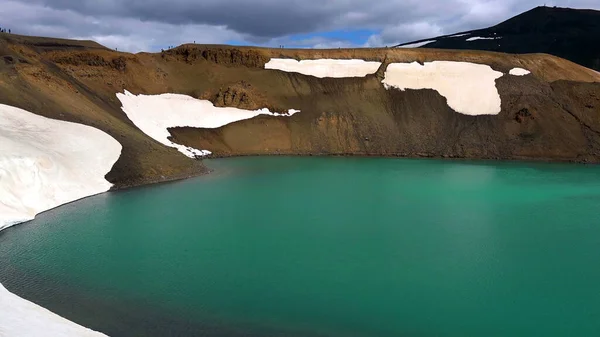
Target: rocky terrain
[573, 34]
[551, 114]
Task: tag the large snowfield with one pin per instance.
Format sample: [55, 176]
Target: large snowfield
[154, 114]
[45, 163]
[332, 68]
[469, 88]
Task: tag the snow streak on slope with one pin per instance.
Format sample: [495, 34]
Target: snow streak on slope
[21, 318]
[154, 114]
[475, 38]
[469, 88]
[335, 68]
[459, 35]
[417, 44]
[45, 163]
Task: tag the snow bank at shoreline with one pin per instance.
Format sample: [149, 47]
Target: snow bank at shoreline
[332, 68]
[469, 88]
[45, 163]
[154, 114]
[23, 318]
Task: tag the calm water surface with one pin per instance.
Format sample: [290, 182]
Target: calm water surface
[325, 247]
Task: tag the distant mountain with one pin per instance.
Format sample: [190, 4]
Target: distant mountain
[573, 34]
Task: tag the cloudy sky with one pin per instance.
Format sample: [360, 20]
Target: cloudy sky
[149, 25]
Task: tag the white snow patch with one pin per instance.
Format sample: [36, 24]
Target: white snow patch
[334, 68]
[154, 114]
[469, 88]
[459, 35]
[416, 45]
[519, 72]
[45, 163]
[475, 38]
[23, 318]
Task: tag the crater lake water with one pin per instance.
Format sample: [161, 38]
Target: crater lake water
[325, 247]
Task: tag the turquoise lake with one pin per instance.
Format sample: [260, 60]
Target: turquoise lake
[281, 246]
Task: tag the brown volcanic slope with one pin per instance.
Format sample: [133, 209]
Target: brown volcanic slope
[552, 115]
[71, 80]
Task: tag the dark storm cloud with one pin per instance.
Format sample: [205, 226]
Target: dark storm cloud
[259, 18]
[262, 18]
[147, 24]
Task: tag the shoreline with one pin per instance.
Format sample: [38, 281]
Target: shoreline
[114, 188]
[523, 159]
[176, 178]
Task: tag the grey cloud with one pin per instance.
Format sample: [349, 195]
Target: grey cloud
[125, 33]
[146, 24]
[269, 18]
[262, 18]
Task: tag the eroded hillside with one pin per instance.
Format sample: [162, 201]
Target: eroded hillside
[40, 76]
[553, 113]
